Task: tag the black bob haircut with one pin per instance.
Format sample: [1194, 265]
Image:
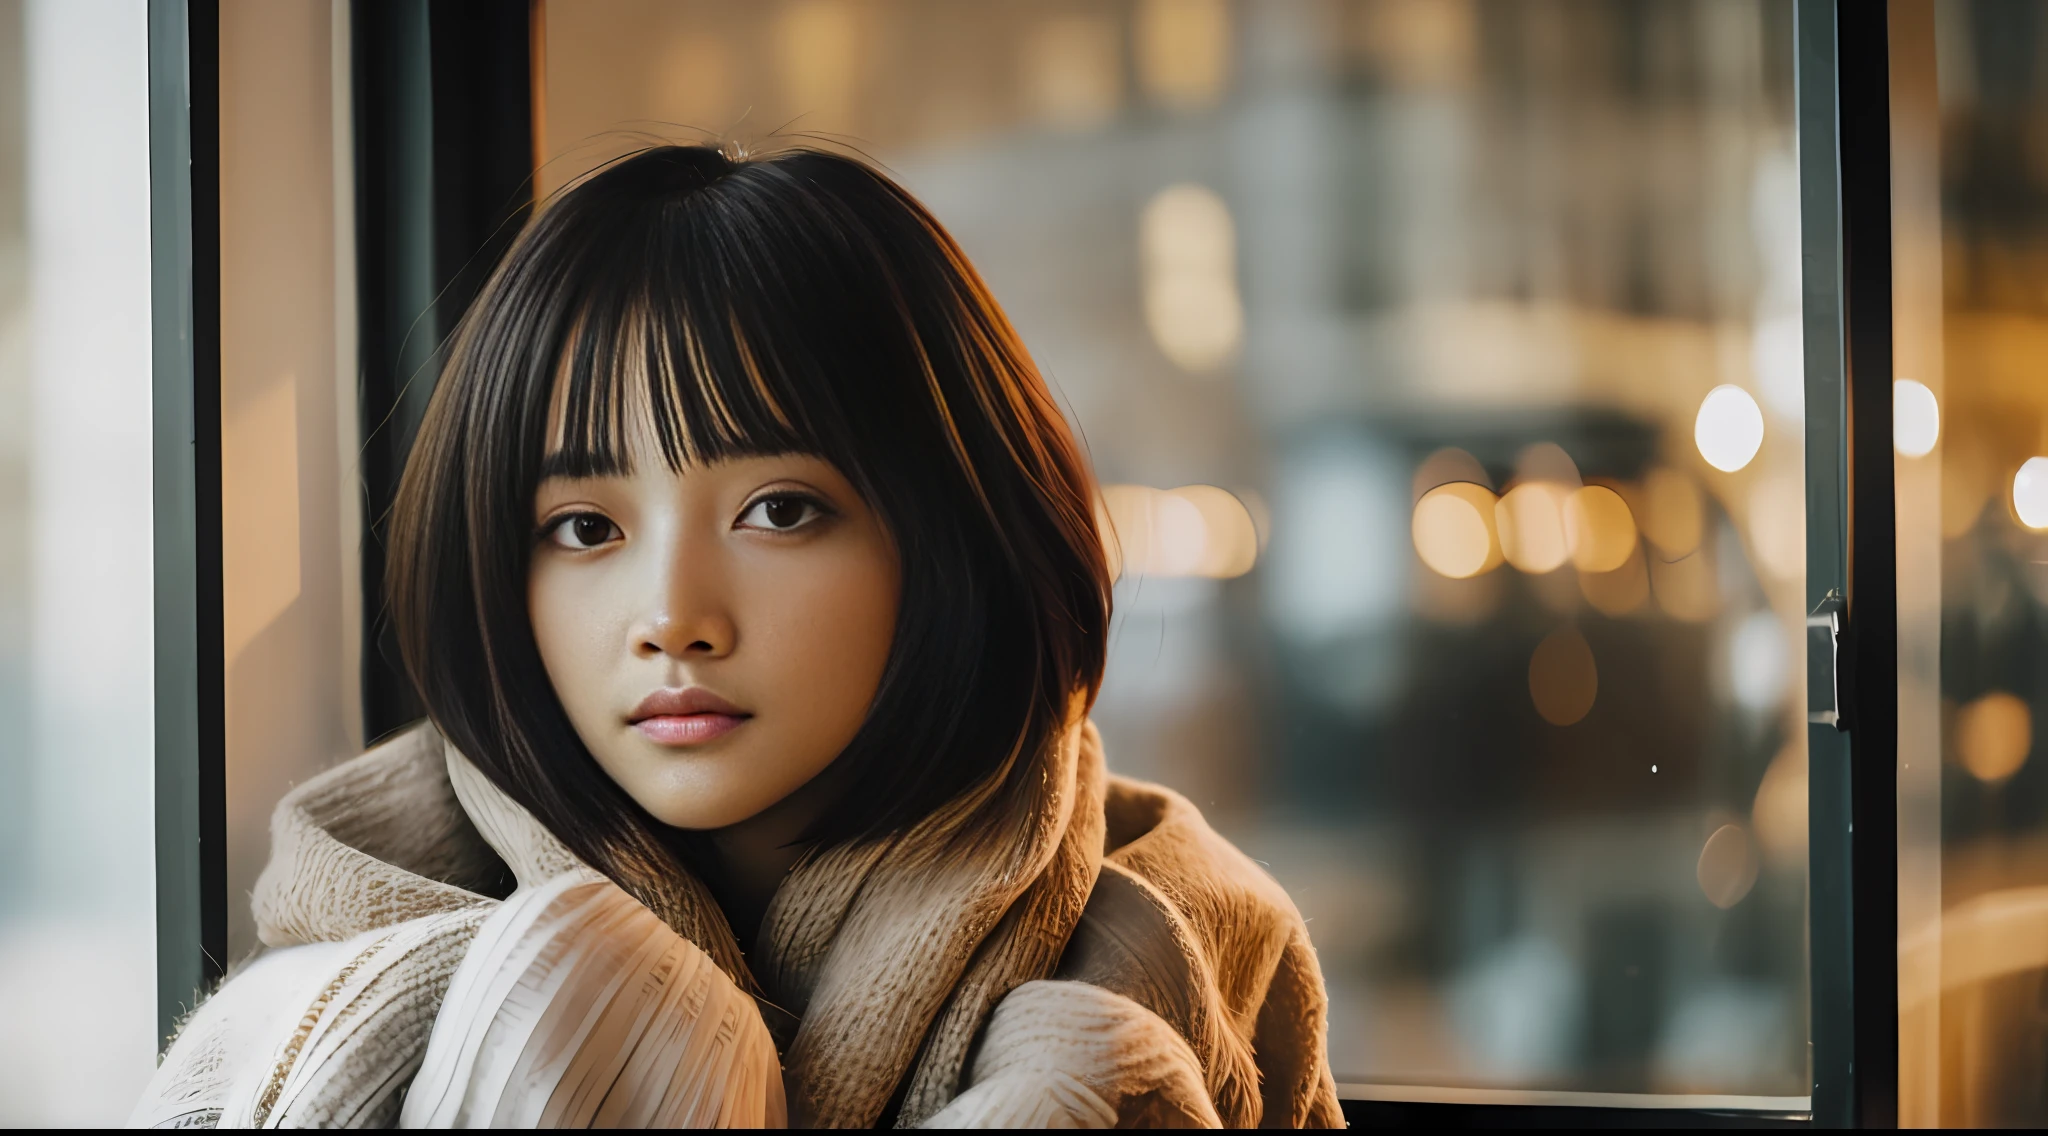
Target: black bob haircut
[795, 303]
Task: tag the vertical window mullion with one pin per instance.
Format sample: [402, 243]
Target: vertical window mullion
[1844, 145]
[191, 797]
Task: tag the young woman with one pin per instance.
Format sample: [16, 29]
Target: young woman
[753, 584]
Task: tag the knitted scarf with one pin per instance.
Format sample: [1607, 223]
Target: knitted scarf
[886, 956]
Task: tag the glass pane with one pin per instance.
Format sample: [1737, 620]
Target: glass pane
[1441, 361]
[1972, 442]
[78, 997]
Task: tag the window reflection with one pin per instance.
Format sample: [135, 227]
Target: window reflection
[1441, 361]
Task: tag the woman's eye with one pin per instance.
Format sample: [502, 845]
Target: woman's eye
[781, 514]
[583, 530]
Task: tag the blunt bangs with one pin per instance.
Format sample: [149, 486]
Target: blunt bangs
[796, 303]
[649, 343]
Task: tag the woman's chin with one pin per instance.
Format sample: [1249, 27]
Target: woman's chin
[698, 788]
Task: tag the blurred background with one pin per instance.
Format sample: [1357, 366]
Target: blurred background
[77, 726]
[1441, 360]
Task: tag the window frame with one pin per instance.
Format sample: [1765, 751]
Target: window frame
[1843, 92]
[190, 668]
[1842, 111]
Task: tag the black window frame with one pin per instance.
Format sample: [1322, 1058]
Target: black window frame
[444, 94]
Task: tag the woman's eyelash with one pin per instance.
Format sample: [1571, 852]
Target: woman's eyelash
[819, 508]
[813, 509]
[555, 528]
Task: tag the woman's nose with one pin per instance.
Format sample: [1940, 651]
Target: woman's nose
[703, 635]
[690, 617]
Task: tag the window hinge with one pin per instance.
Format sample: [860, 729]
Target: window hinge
[1825, 704]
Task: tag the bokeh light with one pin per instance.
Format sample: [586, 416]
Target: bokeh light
[1530, 521]
[1729, 428]
[1728, 866]
[1778, 357]
[1178, 536]
[1196, 530]
[1563, 680]
[1916, 418]
[1777, 524]
[1230, 537]
[1189, 248]
[1672, 518]
[1072, 70]
[1182, 50]
[2030, 493]
[1757, 661]
[1994, 734]
[1779, 812]
[1454, 532]
[1599, 529]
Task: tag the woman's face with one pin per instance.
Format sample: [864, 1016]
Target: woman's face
[716, 635]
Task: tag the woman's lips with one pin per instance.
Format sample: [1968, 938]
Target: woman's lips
[690, 716]
[688, 729]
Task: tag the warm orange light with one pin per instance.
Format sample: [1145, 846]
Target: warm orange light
[1072, 69]
[1777, 525]
[1994, 734]
[1230, 539]
[1727, 867]
[1598, 528]
[260, 513]
[1530, 520]
[1188, 245]
[1563, 680]
[816, 56]
[1183, 50]
[1196, 530]
[1453, 530]
[1779, 813]
[1671, 518]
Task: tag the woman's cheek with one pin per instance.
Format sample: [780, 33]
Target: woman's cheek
[570, 611]
[829, 623]
[862, 615]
